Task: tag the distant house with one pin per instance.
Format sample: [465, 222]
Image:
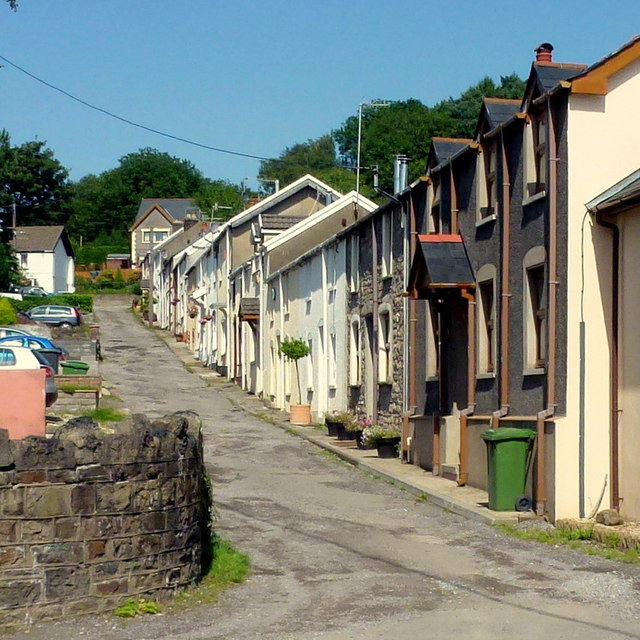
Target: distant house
[156, 220]
[45, 257]
[118, 261]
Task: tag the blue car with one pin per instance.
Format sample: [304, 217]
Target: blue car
[54, 352]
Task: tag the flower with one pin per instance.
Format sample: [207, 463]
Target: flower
[372, 432]
[343, 417]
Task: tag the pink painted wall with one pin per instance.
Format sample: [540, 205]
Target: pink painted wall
[22, 403]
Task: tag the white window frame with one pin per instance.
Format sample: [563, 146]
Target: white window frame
[487, 182]
[310, 364]
[354, 267]
[333, 358]
[354, 351]
[386, 244]
[432, 346]
[535, 156]
[385, 345]
[486, 321]
[534, 312]
[433, 206]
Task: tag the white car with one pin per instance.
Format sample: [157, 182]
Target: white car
[24, 358]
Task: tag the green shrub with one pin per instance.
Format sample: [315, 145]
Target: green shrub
[7, 312]
[83, 301]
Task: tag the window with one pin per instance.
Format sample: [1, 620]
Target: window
[384, 346]
[310, 363]
[487, 182]
[485, 305]
[146, 236]
[535, 158]
[433, 223]
[159, 236]
[433, 340]
[24, 259]
[333, 354]
[387, 226]
[535, 309]
[354, 352]
[354, 267]
[7, 357]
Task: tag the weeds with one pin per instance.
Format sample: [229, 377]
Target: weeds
[131, 608]
[105, 414]
[228, 567]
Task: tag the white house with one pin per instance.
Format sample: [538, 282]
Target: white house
[45, 257]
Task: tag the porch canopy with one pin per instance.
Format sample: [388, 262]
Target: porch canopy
[249, 310]
[440, 262]
[621, 197]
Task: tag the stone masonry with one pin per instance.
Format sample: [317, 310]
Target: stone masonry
[90, 517]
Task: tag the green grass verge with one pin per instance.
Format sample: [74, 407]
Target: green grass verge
[105, 414]
[580, 539]
[72, 388]
[228, 567]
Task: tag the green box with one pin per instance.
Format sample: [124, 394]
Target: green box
[508, 450]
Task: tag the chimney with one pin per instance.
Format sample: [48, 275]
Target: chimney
[400, 173]
[543, 52]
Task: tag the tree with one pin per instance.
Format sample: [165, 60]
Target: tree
[109, 202]
[13, 4]
[215, 194]
[33, 179]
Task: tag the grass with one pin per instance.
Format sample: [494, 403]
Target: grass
[580, 539]
[131, 608]
[228, 567]
[105, 414]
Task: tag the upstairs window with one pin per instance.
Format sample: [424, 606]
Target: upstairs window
[387, 234]
[535, 309]
[535, 155]
[433, 340]
[354, 352]
[433, 222]
[487, 182]
[354, 267]
[486, 309]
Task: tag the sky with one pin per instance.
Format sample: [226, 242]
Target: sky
[255, 77]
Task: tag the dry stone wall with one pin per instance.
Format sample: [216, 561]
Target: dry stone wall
[89, 517]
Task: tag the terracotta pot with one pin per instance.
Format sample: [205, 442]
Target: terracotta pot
[300, 414]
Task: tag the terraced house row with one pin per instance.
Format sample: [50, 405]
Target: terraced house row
[497, 290]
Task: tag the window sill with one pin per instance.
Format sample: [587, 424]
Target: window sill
[385, 383]
[387, 277]
[486, 375]
[433, 379]
[332, 387]
[355, 385]
[540, 371]
[534, 198]
[486, 220]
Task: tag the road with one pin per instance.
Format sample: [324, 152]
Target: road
[338, 554]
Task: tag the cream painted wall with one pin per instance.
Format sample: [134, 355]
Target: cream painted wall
[603, 146]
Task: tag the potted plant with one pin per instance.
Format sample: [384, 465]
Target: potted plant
[294, 350]
[384, 438]
[339, 424]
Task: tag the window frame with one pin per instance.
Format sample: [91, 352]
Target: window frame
[535, 302]
[385, 345]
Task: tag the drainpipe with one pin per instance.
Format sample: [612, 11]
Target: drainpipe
[410, 310]
[463, 475]
[376, 303]
[552, 281]
[614, 385]
[505, 295]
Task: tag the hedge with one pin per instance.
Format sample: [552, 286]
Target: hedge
[83, 301]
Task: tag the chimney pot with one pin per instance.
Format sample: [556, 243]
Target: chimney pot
[543, 52]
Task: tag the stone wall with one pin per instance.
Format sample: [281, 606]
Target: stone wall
[89, 517]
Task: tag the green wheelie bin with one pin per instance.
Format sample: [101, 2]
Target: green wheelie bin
[508, 451]
[74, 367]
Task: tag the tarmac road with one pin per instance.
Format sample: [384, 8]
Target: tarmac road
[338, 554]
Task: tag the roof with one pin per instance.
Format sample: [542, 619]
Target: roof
[40, 239]
[118, 256]
[594, 79]
[441, 262]
[176, 208]
[623, 195]
[279, 223]
[443, 149]
[499, 110]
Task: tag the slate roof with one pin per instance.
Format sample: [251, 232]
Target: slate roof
[40, 238]
[444, 148]
[177, 208]
[279, 223]
[623, 194]
[549, 74]
[500, 110]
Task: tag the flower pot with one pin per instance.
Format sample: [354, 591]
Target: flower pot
[388, 447]
[357, 436]
[342, 433]
[332, 428]
[300, 414]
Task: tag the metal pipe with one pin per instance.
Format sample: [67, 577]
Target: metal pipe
[613, 351]
[376, 303]
[505, 284]
[412, 314]
[463, 474]
[454, 202]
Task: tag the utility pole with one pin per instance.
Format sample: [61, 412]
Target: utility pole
[215, 208]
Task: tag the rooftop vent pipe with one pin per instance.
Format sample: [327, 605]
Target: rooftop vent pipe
[400, 173]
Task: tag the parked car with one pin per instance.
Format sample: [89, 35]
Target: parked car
[33, 291]
[56, 315]
[12, 357]
[52, 352]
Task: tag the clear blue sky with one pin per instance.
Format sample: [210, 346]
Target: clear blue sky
[257, 77]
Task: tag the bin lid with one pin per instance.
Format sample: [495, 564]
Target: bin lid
[74, 364]
[508, 433]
